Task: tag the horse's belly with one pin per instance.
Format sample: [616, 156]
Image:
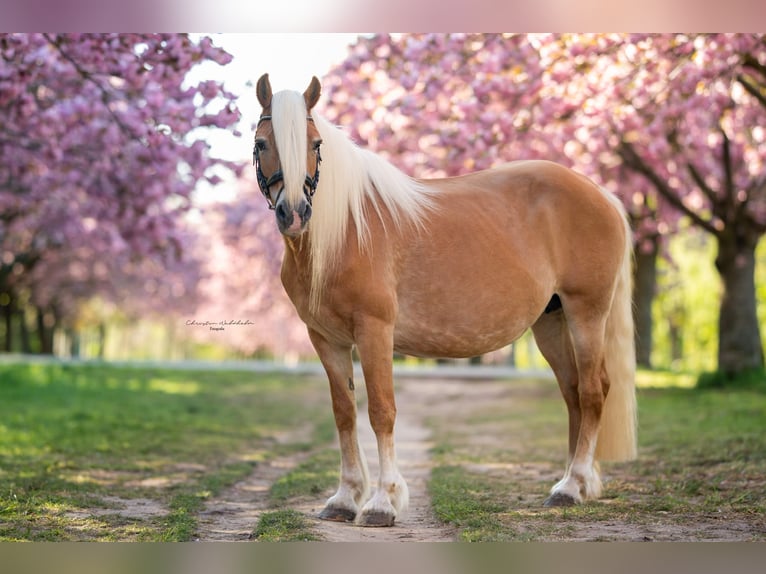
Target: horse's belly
[455, 339]
[466, 306]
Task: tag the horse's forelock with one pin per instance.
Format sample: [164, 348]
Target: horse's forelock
[288, 111]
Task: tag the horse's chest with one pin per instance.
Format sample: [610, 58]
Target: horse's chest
[332, 327]
[325, 320]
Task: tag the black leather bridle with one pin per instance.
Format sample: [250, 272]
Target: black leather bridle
[265, 183]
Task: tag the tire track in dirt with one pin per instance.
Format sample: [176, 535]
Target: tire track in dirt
[234, 513]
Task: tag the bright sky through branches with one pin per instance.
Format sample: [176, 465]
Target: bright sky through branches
[289, 59]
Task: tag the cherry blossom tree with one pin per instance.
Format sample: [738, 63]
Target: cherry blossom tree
[694, 128]
[242, 285]
[101, 147]
[671, 123]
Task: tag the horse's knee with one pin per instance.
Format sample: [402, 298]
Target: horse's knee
[344, 421]
[382, 419]
[344, 410]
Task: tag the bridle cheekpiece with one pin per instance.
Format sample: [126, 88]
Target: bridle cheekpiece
[264, 183]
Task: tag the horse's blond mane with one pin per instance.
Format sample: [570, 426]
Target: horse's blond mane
[289, 124]
[351, 178]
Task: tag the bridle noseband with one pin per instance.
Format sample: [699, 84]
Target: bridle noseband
[264, 183]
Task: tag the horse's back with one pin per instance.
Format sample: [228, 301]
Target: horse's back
[547, 205]
[528, 209]
[523, 184]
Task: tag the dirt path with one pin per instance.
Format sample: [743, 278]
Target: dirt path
[234, 513]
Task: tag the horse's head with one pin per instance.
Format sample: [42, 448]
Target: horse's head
[286, 153]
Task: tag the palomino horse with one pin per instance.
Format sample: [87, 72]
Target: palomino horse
[448, 268]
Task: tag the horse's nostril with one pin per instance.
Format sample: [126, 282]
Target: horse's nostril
[282, 212]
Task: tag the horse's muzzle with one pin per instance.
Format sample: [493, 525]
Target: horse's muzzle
[292, 220]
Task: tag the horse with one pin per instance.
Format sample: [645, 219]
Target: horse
[452, 267]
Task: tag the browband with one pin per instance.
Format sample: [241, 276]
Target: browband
[268, 118]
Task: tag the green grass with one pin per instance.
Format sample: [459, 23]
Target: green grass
[283, 526]
[309, 479]
[312, 478]
[71, 436]
[466, 501]
[701, 468]
[754, 379]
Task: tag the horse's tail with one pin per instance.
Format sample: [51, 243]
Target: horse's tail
[617, 435]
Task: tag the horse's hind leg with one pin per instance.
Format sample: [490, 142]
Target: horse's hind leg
[577, 361]
[586, 322]
[552, 338]
[353, 490]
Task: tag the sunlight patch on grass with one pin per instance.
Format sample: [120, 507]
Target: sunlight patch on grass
[174, 387]
[664, 379]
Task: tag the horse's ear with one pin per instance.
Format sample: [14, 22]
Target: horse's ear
[263, 91]
[311, 95]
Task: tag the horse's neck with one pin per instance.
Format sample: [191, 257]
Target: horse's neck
[298, 251]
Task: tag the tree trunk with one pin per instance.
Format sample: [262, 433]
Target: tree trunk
[8, 316]
[26, 345]
[45, 333]
[102, 340]
[675, 334]
[74, 343]
[739, 336]
[644, 290]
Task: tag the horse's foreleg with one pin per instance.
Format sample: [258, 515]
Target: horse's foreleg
[375, 345]
[353, 490]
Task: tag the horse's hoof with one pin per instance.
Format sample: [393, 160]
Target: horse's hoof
[376, 519]
[559, 499]
[337, 514]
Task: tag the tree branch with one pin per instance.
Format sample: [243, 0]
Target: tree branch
[752, 89]
[727, 168]
[632, 160]
[749, 61]
[756, 191]
[704, 187]
[106, 95]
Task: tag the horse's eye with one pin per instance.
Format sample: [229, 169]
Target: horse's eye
[260, 145]
[317, 144]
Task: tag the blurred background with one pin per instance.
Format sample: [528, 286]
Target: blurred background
[131, 226]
